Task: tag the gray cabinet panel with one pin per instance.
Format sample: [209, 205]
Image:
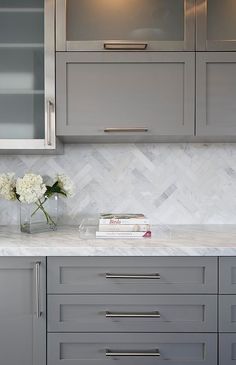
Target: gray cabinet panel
[227, 313]
[125, 94]
[80, 275]
[227, 275]
[227, 349]
[22, 334]
[84, 349]
[216, 94]
[113, 313]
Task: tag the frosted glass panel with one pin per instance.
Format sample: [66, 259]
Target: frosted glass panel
[21, 3]
[221, 23]
[21, 69]
[160, 20]
[21, 116]
[20, 27]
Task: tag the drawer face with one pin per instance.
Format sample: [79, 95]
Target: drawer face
[137, 349]
[227, 275]
[227, 313]
[132, 313]
[227, 349]
[137, 275]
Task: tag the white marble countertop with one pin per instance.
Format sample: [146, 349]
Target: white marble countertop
[189, 240]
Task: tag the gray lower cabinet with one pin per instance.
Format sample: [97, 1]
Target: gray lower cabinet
[132, 313]
[139, 275]
[227, 349]
[22, 311]
[227, 275]
[216, 93]
[125, 94]
[227, 313]
[132, 349]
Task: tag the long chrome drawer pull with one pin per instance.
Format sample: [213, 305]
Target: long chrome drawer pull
[128, 130]
[132, 276]
[125, 46]
[133, 315]
[129, 353]
[37, 289]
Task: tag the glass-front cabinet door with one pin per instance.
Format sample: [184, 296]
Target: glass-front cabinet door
[27, 117]
[125, 25]
[216, 25]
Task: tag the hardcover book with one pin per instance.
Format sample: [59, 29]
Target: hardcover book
[124, 227]
[123, 234]
[130, 219]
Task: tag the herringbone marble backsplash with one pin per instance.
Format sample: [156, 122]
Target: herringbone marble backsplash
[170, 183]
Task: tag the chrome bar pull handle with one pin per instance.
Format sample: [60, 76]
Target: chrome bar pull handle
[50, 110]
[128, 130]
[133, 353]
[37, 289]
[132, 276]
[128, 46]
[155, 314]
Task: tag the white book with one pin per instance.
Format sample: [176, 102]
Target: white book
[114, 218]
[123, 221]
[123, 234]
[124, 227]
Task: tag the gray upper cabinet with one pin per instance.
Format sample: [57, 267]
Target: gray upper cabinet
[125, 94]
[216, 94]
[216, 25]
[22, 311]
[27, 80]
[129, 25]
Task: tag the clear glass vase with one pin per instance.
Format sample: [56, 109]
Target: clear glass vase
[40, 216]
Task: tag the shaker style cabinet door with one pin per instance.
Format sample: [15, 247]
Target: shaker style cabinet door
[216, 25]
[125, 94]
[101, 25]
[27, 75]
[216, 94]
[22, 311]
[132, 349]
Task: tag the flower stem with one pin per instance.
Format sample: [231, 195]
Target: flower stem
[41, 207]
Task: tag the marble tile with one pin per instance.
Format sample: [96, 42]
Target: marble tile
[170, 183]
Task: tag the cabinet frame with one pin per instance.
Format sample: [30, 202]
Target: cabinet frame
[188, 44]
[49, 142]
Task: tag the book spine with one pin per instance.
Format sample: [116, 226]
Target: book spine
[124, 227]
[123, 221]
[123, 234]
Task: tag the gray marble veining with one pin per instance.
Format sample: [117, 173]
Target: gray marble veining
[187, 240]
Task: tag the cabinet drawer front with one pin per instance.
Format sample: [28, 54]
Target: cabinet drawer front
[132, 313]
[227, 275]
[83, 275]
[174, 349]
[125, 94]
[227, 313]
[227, 349]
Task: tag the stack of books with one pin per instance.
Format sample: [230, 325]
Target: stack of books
[123, 226]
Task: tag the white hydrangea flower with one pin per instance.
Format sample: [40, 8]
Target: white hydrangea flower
[7, 185]
[30, 188]
[66, 184]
